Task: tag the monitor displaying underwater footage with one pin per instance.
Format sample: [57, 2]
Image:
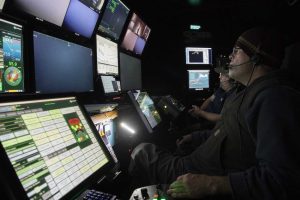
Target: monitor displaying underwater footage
[114, 18]
[136, 35]
[145, 108]
[198, 56]
[61, 66]
[198, 79]
[11, 57]
[105, 123]
[53, 148]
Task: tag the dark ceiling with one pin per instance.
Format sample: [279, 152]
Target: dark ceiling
[221, 21]
[221, 18]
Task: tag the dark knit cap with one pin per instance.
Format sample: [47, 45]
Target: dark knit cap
[265, 42]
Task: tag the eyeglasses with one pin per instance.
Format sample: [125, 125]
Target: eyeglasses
[235, 50]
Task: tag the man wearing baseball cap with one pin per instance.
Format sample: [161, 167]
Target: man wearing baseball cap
[253, 152]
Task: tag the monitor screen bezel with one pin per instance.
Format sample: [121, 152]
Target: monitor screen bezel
[196, 70]
[104, 33]
[24, 43]
[96, 53]
[188, 49]
[65, 39]
[13, 184]
[127, 28]
[136, 105]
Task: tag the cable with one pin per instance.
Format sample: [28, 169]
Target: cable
[238, 110]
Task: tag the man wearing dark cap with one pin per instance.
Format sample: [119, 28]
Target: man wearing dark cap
[253, 153]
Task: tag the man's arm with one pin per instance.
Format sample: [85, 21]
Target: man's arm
[213, 117]
[207, 102]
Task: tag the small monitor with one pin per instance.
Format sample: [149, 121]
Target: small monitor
[114, 18]
[198, 79]
[110, 84]
[145, 108]
[130, 72]
[198, 56]
[61, 66]
[106, 125]
[11, 57]
[78, 16]
[107, 56]
[136, 35]
[53, 149]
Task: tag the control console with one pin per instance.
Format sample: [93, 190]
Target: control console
[151, 192]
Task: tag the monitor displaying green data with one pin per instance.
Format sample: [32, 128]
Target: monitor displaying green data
[51, 145]
[11, 57]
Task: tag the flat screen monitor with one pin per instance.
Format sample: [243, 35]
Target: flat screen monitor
[145, 108]
[2, 4]
[53, 148]
[130, 72]
[198, 56]
[110, 84]
[198, 79]
[74, 15]
[95, 5]
[11, 57]
[136, 35]
[107, 56]
[106, 125]
[61, 66]
[114, 18]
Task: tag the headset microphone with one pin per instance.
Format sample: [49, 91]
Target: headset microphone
[232, 66]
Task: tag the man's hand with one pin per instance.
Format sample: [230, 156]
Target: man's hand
[196, 186]
[195, 111]
[184, 140]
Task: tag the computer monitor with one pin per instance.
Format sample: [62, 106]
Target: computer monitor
[110, 84]
[114, 18]
[95, 5]
[11, 57]
[130, 72]
[136, 35]
[198, 56]
[107, 56]
[52, 149]
[2, 4]
[198, 79]
[61, 66]
[74, 15]
[80, 19]
[145, 108]
[106, 125]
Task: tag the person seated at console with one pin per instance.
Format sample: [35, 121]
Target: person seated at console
[210, 110]
[252, 153]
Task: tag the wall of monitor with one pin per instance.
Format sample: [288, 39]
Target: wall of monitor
[68, 46]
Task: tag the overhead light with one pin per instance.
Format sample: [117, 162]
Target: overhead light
[195, 27]
[128, 128]
[195, 2]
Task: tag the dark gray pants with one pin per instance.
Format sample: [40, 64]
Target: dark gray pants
[151, 164]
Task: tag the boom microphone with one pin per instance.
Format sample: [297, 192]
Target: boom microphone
[232, 66]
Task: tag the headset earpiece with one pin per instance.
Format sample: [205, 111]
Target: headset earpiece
[256, 59]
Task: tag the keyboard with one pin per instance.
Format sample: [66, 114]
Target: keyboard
[96, 195]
